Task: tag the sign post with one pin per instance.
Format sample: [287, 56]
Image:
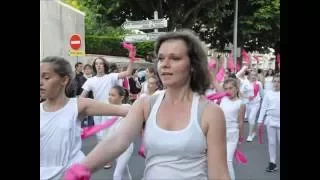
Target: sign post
[75, 43]
[144, 24]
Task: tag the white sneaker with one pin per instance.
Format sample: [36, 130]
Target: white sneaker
[253, 135]
[249, 139]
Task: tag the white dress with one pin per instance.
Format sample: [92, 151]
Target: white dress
[60, 141]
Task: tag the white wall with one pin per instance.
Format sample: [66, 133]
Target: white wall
[58, 22]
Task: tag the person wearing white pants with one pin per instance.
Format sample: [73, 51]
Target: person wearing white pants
[253, 105]
[270, 110]
[117, 96]
[234, 111]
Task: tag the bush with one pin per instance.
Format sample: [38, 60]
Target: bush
[106, 45]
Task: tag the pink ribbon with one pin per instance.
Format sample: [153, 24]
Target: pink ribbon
[260, 133]
[238, 67]
[131, 49]
[256, 58]
[240, 157]
[125, 83]
[278, 60]
[77, 172]
[220, 74]
[89, 131]
[217, 96]
[245, 55]
[212, 64]
[255, 90]
[230, 62]
[141, 151]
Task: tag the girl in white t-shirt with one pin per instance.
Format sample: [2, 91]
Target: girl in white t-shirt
[255, 94]
[118, 96]
[270, 111]
[234, 111]
[152, 87]
[268, 85]
[150, 72]
[60, 142]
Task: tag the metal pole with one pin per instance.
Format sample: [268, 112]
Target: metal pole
[235, 35]
[155, 13]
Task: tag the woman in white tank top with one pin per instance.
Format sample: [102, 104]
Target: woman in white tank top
[234, 111]
[179, 142]
[60, 141]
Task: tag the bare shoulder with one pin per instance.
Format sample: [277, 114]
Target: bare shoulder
[212, 114]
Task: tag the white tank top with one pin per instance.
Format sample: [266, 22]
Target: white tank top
[60, 141]
[231, 111]
[175, 154]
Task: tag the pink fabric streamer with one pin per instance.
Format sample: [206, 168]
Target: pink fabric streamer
[89, 131]
[77, 172]
[220, 75]
[260, 133]
[131, 49]
[256, 58]
[255, 91]
[217, 96]
[141, 151]
[238, 67]
[212, 64]
[278, 60]
[125, 83]
[230, 62]
[240, 157]
[241, 139]
[245, 55]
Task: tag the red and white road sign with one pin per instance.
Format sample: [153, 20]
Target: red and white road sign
[75, 42]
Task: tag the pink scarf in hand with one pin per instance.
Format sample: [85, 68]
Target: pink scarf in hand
[77, 172]
[92, 130]
[131, 49]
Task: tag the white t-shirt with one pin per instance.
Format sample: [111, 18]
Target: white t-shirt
[270, 108]
[244, 89]
[268, 86]
[231, 111]
[257, 99]
[100, 86]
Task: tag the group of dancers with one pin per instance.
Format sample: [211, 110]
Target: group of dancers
[184, 135]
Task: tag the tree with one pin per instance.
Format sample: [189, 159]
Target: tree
[258, 25]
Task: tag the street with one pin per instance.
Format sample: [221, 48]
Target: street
[256, 153]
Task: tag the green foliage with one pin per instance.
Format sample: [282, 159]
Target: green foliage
[109, 45]
[258, 25]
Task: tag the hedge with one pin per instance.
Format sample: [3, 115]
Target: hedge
[111, 46]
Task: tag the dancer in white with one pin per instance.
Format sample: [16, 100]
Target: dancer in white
[234, 111]
[150, 72]
[244, 87]
[185, 135]
[255, 93]
[268, 85]
[101, 83]
[152, 87]
[270, 113]
[119, 96]
[60, 141]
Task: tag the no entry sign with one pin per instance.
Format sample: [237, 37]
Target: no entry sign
[75, 42]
